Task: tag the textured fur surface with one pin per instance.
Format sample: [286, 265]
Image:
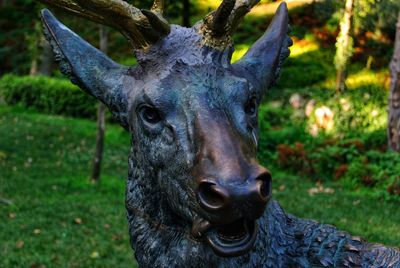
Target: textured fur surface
[201, 97]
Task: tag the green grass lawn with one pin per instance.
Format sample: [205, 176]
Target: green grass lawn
[59, 219]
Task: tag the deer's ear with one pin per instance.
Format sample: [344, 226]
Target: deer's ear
[89, 68]
[262, 62]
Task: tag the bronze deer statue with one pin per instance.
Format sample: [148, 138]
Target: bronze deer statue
[196, 195]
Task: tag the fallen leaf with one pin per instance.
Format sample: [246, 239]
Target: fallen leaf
[37, 231]
[312, 191]
[78, 221]
[320, 189]
[12, 215]
[106, 226]
[19, 244]
[282, 187]
[94, 255]
[329, 190]
[116, 237]
[36, 265]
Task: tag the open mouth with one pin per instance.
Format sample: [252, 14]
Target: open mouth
[233, 239]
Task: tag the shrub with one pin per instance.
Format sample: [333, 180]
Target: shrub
[294, 157]
[378, 170]
[322, 160]
[329, 159]
[357, 111]
[293, 74]
[48, 95]
[375, 172]
[277, 126]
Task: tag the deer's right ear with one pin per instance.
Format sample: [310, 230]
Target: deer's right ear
[263, 61]
[89, 68]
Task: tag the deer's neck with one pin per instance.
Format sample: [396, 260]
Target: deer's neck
[156, 236]
[143, 194]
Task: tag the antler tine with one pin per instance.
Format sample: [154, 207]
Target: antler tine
[141, 30]
[158, 6]
[154, 15]
[219, 25]
[158, 22]
[221, 17]
[241, 9]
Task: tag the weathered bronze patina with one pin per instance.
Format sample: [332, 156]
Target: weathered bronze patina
[196, 195]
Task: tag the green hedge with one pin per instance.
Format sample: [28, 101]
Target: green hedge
[47, 95]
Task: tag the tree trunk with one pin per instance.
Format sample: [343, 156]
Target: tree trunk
[34, 67]
[186, 13]
[33, 42]
[344, 46]
[42, 61]
[3, 3]
[394, 97]
[46, 57]
[340, 80]
[101, 120]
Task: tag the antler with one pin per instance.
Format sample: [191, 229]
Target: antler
[219, 25]
[141, 27]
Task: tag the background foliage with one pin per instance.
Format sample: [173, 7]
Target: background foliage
[48, 95]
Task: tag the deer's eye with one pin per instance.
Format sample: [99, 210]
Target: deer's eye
[150, 115]
[250, 107]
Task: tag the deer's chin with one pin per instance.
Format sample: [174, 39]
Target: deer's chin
[233, 239]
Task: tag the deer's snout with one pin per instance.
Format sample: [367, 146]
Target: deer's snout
[233, 198]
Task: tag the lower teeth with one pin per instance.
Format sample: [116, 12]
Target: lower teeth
[232, 236]
[238, 237]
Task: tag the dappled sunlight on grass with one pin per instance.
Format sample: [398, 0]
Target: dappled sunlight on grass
[371, 118]
[358, 78]
[365, 77]
[208, 4]
[262, 9]
[240, 50]
[268, 9]
[301, 47]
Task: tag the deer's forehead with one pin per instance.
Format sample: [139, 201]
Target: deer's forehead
[203, 79]
[195, 84]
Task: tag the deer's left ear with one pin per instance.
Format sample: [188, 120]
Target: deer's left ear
[262, 63]
[89, 68]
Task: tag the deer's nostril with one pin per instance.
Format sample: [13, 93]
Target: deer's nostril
[211, 197]
[264, 182]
